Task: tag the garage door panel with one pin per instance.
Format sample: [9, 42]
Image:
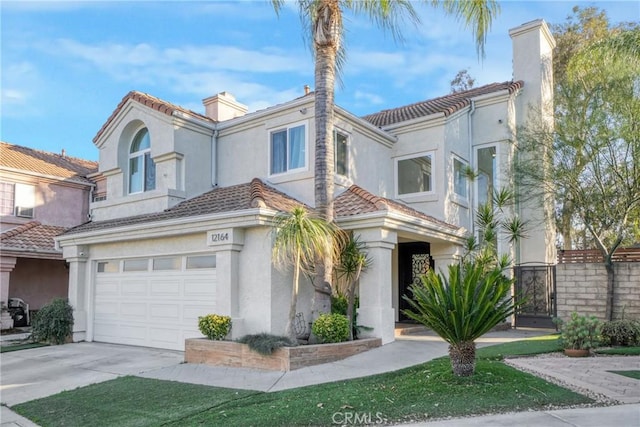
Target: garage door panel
[165, 288]
[165, 337]
[107, 287]
[164, 312]
[200, 288]
[134, 287]
[107, 308]
[133, 311]
[153, 309]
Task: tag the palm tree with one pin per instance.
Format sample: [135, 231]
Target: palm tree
[298, 240]
[325, 31]
[353, 261]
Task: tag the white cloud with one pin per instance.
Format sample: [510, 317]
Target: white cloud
[20, 83]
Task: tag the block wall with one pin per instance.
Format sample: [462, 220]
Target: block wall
[582, 287]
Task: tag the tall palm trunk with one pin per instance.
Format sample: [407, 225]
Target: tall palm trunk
[290, 329]
[326, 44]
[463, 358]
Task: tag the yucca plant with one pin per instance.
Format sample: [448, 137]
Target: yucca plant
[475, 298]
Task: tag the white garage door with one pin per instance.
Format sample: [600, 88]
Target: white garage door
[153, 302]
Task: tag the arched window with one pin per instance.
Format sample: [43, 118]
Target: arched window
[142, 169]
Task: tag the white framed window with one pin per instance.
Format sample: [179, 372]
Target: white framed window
[167, 263]
[415, 174]
[7, 198]
[142, 169]
[486, 169]
[341, 151]
[136, 265]
[201, 261]
[460, 181]
[25, 200]
[108, 267]
[288, 149]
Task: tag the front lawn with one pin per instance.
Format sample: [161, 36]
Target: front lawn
[421, 392]
[619, 351]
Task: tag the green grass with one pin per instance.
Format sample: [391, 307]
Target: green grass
[24, 346]
[420, 392]
[631, 374]
[528, 347]
[127, 401]
[620, 351]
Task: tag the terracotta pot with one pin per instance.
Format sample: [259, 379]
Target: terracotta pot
[572, 352]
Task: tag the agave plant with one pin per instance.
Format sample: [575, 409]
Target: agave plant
[475, 298]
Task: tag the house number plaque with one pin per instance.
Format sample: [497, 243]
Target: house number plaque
[219, 237]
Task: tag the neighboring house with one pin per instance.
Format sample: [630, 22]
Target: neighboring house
[183, 227]
[41, 195]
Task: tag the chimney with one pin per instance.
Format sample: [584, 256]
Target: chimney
[223, 106]
[307, 89]
[63, 153]
[533, 63]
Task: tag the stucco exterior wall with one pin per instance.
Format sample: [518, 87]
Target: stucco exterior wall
[38, 281]
[59, 203]
[582, 287]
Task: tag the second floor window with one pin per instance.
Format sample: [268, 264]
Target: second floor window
[288, 149]
[142, 169]
[460, 185]
[17, 199]
[341, 142]
[414, 175]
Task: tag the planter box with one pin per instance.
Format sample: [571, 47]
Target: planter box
[233, 354]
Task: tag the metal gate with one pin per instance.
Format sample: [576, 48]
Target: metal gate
[536, 285]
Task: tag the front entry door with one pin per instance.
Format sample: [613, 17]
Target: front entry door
[414, 260]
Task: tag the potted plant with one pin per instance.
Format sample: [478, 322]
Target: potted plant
[580, 334]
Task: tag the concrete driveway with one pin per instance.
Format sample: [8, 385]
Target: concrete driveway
[40, 372]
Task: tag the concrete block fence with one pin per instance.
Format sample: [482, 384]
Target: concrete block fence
[582, 287]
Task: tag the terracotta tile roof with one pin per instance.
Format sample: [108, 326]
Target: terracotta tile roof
[224, 199]
[151, 102]
[31, 237]
[447, 104]
[356, 200]
[45, 163]
[353, 201]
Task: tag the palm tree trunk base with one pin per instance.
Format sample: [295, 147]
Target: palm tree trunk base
[463, 358]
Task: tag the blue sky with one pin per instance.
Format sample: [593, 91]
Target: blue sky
[65, 65]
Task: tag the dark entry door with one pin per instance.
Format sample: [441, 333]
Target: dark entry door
[414, 260]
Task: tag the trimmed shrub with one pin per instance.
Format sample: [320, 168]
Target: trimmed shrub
[580, 332]
[265, 343]
[330, 328]
[624, 332]
[53, 323]
[214, 326]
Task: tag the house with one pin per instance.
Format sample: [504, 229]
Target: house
[42, 195]
[183, 225]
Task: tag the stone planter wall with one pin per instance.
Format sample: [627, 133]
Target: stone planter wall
[233, 354]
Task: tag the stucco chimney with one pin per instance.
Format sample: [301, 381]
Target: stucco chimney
[533, 63]
[223, 106]
[307, 89]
